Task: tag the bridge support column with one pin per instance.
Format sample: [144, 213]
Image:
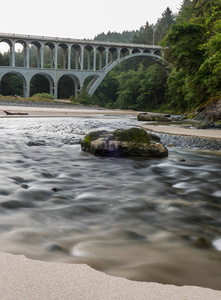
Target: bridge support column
[56, 57]
[100, 60]
[118, 53]
[82, 58]
[64, 58]
[28, 56]
[55, 91]
[94, 64]
[88, 60]
[12, 55]
[26, 91]
[42, 56]
[51, 58]
[106, 57]
[69, 57]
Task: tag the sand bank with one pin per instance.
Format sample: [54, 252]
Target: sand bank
[22, 278]
[178, 130]
[59, 112]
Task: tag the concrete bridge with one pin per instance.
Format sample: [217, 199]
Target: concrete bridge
[81, 59]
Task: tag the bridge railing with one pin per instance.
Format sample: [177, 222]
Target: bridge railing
[80, 41]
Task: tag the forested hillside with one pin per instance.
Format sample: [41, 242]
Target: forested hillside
[192, 47]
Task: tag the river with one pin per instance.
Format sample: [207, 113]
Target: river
[144, 219]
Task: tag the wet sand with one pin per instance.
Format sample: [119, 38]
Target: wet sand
[22, 278]
[178, 130]
[59, 112]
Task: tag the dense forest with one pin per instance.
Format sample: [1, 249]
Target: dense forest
[191, 42]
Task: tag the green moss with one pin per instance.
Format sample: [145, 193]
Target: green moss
[136, 135]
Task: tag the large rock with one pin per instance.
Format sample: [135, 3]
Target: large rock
[134, 142]
[152, 117]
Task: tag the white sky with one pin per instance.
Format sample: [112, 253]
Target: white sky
[80, 19]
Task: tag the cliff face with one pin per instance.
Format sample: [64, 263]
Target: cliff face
[210, 112]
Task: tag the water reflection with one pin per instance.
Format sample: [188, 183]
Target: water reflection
[144, 219]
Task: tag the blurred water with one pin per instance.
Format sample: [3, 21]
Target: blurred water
[143, 219]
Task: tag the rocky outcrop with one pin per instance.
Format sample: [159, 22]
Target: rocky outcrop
[210, 112]
[152, 117]
[133, 142]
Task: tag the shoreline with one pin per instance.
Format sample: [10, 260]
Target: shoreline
[23, 278]
[75, 111]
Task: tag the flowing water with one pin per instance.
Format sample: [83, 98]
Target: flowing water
[143, 219]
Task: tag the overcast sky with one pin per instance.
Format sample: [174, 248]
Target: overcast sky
[80, 19]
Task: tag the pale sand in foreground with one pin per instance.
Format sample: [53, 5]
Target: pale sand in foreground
[66, 112]
[22, 278]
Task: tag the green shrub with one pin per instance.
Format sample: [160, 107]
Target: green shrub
[43, 96]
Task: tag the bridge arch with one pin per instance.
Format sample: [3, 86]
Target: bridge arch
[75, 79]
[48, 77]
[23, 78]
[96, 82]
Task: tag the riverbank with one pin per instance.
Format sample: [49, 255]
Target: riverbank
[28, 110]
[22, 278]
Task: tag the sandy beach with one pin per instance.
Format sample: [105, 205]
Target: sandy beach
[22, 278]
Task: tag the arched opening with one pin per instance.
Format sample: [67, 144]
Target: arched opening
[62, 56]
[101, 58]
[49, 55]
[20, 53]
[157, 52]
[113, 54]
[68, 86]
[12, 84]
[34, 55]
[4, 53]
[137, 58]
[40, 84]
[89, 57]
[75, 57]
[134, 51]
[146, 51]
[124, 52]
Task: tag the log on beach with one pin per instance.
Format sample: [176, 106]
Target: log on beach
[14, 114]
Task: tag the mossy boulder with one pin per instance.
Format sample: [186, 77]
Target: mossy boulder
[133, 142]
[152, 117]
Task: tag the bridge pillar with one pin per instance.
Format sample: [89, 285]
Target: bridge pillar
[69, 57]
[56, 57]
[26, 91]
[51, 58]
[12, 54]
[28, 56]
[106, 57]
[100, 60]
[82, 58]
[95, 54]
[118, 53]
[42, 56]
[55, 91]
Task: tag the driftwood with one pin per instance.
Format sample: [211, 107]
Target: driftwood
[12, 114]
